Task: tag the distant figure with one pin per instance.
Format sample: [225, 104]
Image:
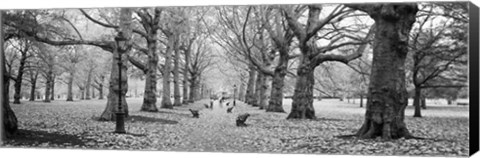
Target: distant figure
[206, 106]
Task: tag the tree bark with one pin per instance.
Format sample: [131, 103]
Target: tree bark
[19, 78]
[88, 85]
[302, 105]
[241, 92]
[416, 102]
[33, 87]
[193, 88]
[166, 102]
[185, 77]
[113, 95]
[176, 80]
[70, 87]
[52, 92]
[361, 101]
[9, 120]
[258, 87]
[387, 94]
[250, 94]
[150, 95]
[263, 101]
[120, 54]
[48, 85]
[100, 88]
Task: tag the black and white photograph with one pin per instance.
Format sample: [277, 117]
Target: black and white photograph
[315, 79]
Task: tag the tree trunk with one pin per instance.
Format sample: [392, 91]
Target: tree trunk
[100, 92]
[241, 92]
[70, 87]
[19, 78]
[10, 123]
[82, 93]
[166, 102]
[250, 94]
[113, 95]
[88, 85]
[193, 87]
[176, 80]
[423, 103]
[150, 95]
[100, 88]
[387, 94]
[118, 86]
[33, 87]
[52, 92]
[416, 102]
[263, 97]
[256, 100]
[302, 105]
[93, 93]
[361, 100]
[48, 86]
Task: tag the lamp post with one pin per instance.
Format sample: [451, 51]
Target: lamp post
[234, 94]
[120, 114]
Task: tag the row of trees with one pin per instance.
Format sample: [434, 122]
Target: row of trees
[62, 39]
[266, 46]
[269, 43]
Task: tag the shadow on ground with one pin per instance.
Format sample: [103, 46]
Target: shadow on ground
[30, 137]
[136, 118]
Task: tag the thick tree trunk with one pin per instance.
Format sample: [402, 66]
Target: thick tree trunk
[250, 94]
[302, 105]
[118, 86]
[185, 77]
[166, 102]
[416, 102]
[114, 89]
[387, 94]
[9, 120]
[19, 79]
[70, 87]
[10, 123]
[149, 97]
[177, 98]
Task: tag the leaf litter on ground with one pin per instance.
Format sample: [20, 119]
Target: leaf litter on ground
[63, 124]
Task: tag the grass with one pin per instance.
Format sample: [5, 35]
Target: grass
[63, 124]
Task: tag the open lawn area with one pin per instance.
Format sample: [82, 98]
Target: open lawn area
[62, 124]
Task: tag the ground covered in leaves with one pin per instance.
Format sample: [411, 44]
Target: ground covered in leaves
[63, 124]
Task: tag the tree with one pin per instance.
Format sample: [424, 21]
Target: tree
[28, 25]
[313, 55]
[9, 121]
[23, 48]
[387, 94]
[437, 49]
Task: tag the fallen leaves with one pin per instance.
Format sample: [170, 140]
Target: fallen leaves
[215, 130]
